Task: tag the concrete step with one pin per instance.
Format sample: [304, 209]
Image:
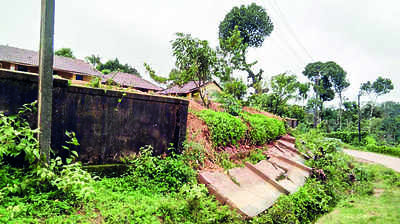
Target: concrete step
[289, 138]
[254, 188]
[243, 198]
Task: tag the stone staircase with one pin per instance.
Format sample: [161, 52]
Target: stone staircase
[254, 188]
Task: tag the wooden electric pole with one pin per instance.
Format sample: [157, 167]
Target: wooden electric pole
[46, 77]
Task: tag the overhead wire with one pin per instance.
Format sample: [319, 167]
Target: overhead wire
[283, 17]
[277, 14]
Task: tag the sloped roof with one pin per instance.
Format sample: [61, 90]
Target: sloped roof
[28, 57]
[185, 89]
[131, 80]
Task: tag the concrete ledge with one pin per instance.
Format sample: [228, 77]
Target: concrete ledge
[266, 178]
[294, 163]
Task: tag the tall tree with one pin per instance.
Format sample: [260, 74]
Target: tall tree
[339, 81]
[379, 87]
[382, 86]
[65, 52]
[196, 61]
[318, 74]
[253, 24]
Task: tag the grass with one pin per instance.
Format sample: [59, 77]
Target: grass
[383, 206]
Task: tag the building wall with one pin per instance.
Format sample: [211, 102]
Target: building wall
[210, 90]
[108, 124]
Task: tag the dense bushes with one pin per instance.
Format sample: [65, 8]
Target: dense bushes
[225, 129]
[347, 136]
[263, 129]
[161, 175]
[30, 189]
[390, 150]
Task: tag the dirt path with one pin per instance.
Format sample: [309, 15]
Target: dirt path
[388, 161]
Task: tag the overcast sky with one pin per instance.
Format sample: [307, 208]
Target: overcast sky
[362, 36]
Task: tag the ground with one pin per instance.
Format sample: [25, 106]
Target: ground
[380, 207]
[388, 161]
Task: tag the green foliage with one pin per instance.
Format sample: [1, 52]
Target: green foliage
[94, 60]
[195, 154]
[225, 129]
[283, 88]
[65, 52]
[384, 149]
[347, 136]
[152, 73]
[256, 156]
[95, 82]
[17, 138]
[116, 66]
[319, 196]
[230, 104]
[196, 60]
[252, 21]
[263, 129]
[162, 175]
[37, 190]
[236, 88]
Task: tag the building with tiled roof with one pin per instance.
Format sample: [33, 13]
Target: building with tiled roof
[28, 61]
[190, 89]
[131, 81]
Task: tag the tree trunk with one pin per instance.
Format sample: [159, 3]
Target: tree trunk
[201, 93]
[46, 55]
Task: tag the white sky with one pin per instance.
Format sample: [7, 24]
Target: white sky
[362, 36]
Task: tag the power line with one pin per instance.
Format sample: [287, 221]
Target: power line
[291, 30]
[280, 18]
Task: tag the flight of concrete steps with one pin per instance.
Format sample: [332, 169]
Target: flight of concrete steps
[254, 188]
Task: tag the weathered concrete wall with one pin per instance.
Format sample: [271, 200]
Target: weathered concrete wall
[106, 128]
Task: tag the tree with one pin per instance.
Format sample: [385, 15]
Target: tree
[250, 25]
[379, 87]
[382, 86]
[196, 61]
[338, 78]
[152, 73]
[252, 21]
[93, 60]
[236, 88]
[115, 66]
[304, 88]
[320, 75]
[65, 52]
[283, 88]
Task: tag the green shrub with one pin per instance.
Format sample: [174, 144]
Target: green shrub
[390, 150]
[225, 129]
[230, 104]
[350, 137]
[263, 128]
[149, 172]
[36, 189]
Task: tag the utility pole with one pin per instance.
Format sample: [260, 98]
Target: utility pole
[359, 119]
[46, 77]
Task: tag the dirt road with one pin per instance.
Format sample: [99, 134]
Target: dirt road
[388, 161]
